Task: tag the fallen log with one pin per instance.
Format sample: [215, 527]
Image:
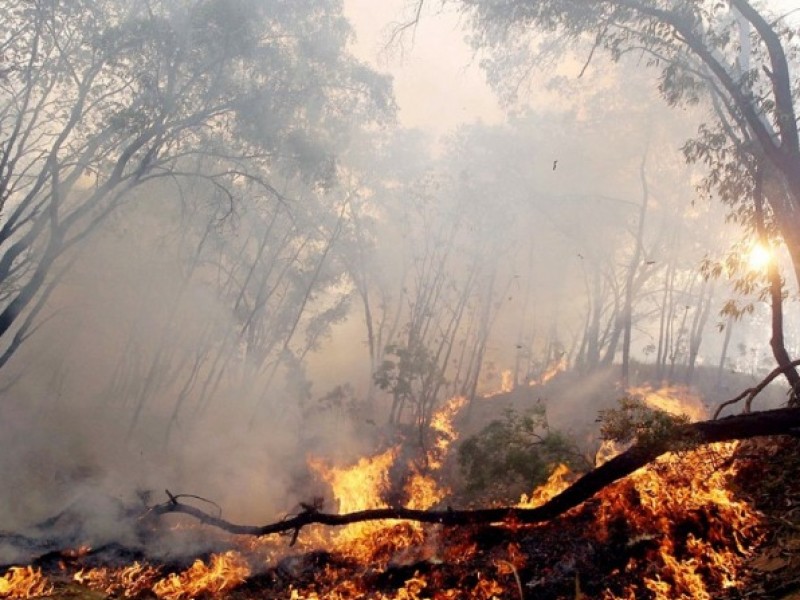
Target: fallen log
[785, 421]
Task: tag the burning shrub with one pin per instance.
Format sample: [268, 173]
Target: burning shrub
[511, 455]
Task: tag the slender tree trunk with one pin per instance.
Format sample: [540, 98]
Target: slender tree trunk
[701, 315]
[633, 268]
[776, 342]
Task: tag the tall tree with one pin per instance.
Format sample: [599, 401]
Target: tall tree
[100, 98]
[734, 53]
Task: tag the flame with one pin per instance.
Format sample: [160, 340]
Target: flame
[676, 400]
[608, 449]
[225, 572]
[444, 430]
[506, 384]
[684, 492]
[554, 368]
[558, 481]
[364, 485]
[359, 486]
[128, 582]
[24, 582]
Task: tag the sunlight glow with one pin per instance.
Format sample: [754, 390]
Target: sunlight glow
[759, 258]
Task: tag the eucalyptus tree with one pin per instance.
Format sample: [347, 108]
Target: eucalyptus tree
[737, 57]
[737, 52]
[101, 99]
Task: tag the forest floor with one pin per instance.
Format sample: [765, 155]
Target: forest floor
[720, 522]
[771, 483]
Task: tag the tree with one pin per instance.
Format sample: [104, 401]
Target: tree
[734, 54]
[101, 99]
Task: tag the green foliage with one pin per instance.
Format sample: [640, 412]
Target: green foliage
[408, 371]
[513, 455]
[635, 422]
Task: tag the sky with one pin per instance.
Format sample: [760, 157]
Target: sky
[438, 83]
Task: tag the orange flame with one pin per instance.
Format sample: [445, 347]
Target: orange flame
[608, 449]
[506, 384]
[128, 582]
[553, 369]
[363, 485]
[225, 572]
[676, 400]
[674, 492]
[444, 430]
[558, 481]
[24, 582]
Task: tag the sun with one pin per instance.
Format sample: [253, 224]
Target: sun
[759, 257]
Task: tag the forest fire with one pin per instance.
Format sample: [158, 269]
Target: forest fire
[248, 257]
[128, 581]
[224, 572]
[24, 582]
[675, 400]
[692, 531]
[670, 530]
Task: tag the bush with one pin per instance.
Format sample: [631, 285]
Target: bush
[513, 455]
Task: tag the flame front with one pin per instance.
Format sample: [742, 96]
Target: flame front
[677, 528]
[225, 572]
[686, 492]
[554, 368]
[676, 400]
[128, 582]
[24, 582]
[557, 482]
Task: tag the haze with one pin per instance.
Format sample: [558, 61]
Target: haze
[351, 215]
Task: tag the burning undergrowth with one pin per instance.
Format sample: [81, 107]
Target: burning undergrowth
[671, 530]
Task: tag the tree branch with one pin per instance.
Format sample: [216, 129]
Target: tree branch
[784, 421]
[752, 392]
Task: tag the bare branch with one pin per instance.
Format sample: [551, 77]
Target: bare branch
[784, 421]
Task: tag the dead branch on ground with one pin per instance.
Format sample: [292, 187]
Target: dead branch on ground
[785, 421]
